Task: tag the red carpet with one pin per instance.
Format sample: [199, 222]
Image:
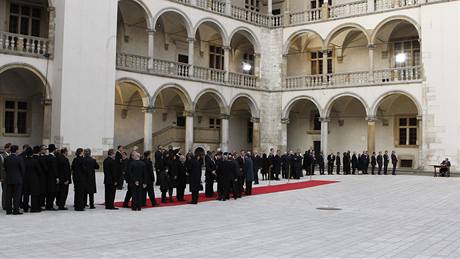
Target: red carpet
[255, 191]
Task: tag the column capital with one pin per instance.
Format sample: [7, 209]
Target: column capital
[51, 9]
[149, 109]
[255, 120]
[191, 39]
[150, 30]
[324, 120]
[188, 113]
[47, 101]
[224, 116]
[371, 46]
[371, 119]
[285, 121]
[227, 48]
[419, 117]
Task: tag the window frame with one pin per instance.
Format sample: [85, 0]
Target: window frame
[16, 110]
[319, 61]
[30, 17]
[215, 55]
[398, 127]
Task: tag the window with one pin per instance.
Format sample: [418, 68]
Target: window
[15, 117]
[180, 121]
[214, 123]
[316, 59]
[315, 123]
[249, 58]
[276, 12]
[412, 50]
[252, 5]
[250, 131]
[318, 3]
[25, 19]
[407, 131]
[216, 57]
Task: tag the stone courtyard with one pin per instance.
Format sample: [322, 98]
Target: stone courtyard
[400, 216]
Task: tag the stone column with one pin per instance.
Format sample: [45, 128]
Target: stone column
[371, 48]
[226, 61]
[224, 137]
[228, 7]
[270, 7]
[191, 54]
[325, 11]
[420, 141]
[51, 30]
[284, 126]
[188, 130]
[325, 67]
[371, 134]
[287, 13]
[257, 68]
[148, 129]
[151, 47]
[255, 134]
[47, 120]
[370, 6]
[284, 72]
[324, 134]
[396, 3]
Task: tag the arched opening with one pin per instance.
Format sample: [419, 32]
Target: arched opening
[304, 128]
[397, 53]
[208, 120]
[347, 52]
[25, 113]
[347, 125]
[169, 118]
[398, 128]
[132, 28]
[209, 42]
[243, 54]
[131, 102]
[304, 60]
[171, 35]
[243, 125]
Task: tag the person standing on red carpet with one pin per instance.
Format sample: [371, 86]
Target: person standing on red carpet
[195, 177]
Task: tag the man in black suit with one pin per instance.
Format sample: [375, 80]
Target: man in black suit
[338, 162]
[330, 163]
[137, 170]
[111, 179]
[52, 177]
[394, 162]
[149, 181]
[373, 162]
[380, 162]
[14, 172]
[320, 161]
[118, 167]
[64, 178]
[90, 166]
[195, 178]
[354, 163]
[386, 160]
[210, 174]
[80, 180]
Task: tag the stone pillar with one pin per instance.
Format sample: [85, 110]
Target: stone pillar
[51, 30]
[325, 11]
[148, 129]
[325, 67]
[226, 61]
[47, 120]
[228, 7]
[420, 141]
[370, 6]
[191, 54]
[188, 131]
[396, 3]
[151, 47]
[283, 141]
[284, 73]
[287, 13]
[371, 134]
[324, 134]
[225, 131]
[371, 48]
[255, 134]
[270, 7]
[257, 68]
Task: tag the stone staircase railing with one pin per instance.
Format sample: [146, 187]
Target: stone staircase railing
[23, 44]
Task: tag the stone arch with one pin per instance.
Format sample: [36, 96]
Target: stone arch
[181, 91]
[378, 101]
[290, 105]
[343, 26]
[255, 112]
[148, 14]
[408, 19]
[327, 109]
[220, 28]
[217, 96]
[35, 71]
[146, 98]
[187, 22]
[252, 37]
[287, 44]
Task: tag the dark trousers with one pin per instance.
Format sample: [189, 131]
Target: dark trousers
[195, 197]
[50, 197]
[256, 175]
[321, 169]
[25, 201]
[91, 200]
[353, 170]
[209, 187]
[394, 170]
[338, 169]
[164, 193]
[235, 189]
[80, 197]
[62, 195]
[13, 197]
[330, 168]
[180, 190]
[248, 188]
[3, 196]
[385, 168]
[372, 168]
[240, 187]
[35, 205]
[151, 193]
[137, 197]
[380, 169]
[128, 196]
[109, 195]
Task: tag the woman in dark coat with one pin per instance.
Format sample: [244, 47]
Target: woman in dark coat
[90, 166]
[265, 167]
[195, 178]
[80, 181]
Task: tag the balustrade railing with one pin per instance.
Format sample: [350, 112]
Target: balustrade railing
[305, 16]
[237, 79]
[135, 62]
[348, 9]
[350, 78]
[308, 81]
[23, 44]
[209, 74]
[389, 75]
[250, 16]
[213, 5]
[171, 68]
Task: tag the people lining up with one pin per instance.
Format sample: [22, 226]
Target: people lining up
[42, 174]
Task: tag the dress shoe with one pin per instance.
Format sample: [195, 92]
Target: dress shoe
[63, 208]
[111, 208]
[92, 207]
[17, 213]
[35, 211]
[51, 209]
[9, 213]
[79, 209]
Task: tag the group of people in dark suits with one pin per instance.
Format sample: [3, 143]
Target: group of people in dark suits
[355, 163]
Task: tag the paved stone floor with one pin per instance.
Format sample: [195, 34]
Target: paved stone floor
[382, 216]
